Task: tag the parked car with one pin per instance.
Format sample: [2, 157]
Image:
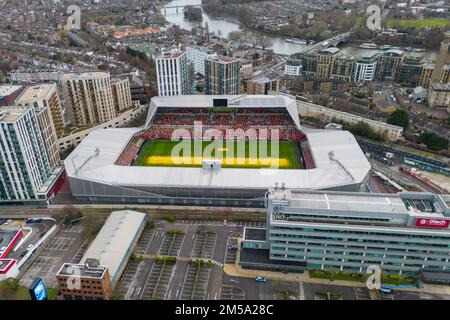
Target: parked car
[7, 222]
[30, 246]
[261, 279]
[232, 247]
[2, 249]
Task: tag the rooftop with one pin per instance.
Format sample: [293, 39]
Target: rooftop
[441, 86]
[7, 90]
[11, 114]
[115, 239]
[82, 270]
[223, 59]
[402, 203]
[84, 75]
[40, 91]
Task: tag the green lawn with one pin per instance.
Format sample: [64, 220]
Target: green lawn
[419, 24]
[233, 154]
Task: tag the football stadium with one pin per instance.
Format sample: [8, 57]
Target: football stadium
[214, 151]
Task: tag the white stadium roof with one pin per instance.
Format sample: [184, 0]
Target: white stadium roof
[338, 157]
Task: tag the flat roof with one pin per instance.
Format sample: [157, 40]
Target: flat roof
[11, 114]
[36, 92]
[112, 245]
[255, 234]
[82, 270]
[6, 90]
[348, 202]
[441, 86]
[83, 75]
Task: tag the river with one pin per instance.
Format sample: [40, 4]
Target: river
[278, 44]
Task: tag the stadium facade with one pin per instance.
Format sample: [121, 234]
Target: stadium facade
[101, 168]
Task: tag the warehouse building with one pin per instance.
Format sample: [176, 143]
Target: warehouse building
[115, 242]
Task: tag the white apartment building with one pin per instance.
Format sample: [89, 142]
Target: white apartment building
[24, 163]
[293, 67]
[121, 94]
[198, 55]
[174, 73]
[364, 69]
[89, 97]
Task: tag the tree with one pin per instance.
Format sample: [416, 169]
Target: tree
[433, 141]
[399, 117]
[192, 13]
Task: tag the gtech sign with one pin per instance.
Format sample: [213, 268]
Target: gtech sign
[432, 223]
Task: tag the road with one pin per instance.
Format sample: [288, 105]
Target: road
[394, 174]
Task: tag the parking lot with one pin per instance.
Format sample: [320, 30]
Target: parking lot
[228, 292]
[171, 244]
[149, 278]
[158, 281]
[195, 282]
[68, 245]
[230, 256]
[204, 245]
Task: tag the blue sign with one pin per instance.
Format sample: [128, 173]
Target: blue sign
[37, 290]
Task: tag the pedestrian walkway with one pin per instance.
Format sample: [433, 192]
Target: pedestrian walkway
[236, 271]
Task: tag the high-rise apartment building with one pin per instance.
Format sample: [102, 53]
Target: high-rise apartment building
[25, 168]
[175, 74]
[222, 75]
[47, 106]
[41, 96]
[198, 55]
[121, 94]
[89, 97]
[443, 59]
[262, 85]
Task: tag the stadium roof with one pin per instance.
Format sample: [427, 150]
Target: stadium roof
[338, 158]
[234, 101]
[112, 244]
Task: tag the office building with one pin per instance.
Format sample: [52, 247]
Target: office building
[404, 233]
[89, 98]
[175, 74]
[121, 94]
[365, 68]
[86, 281]
[222, 76]
[442, 60]
[198, 55]
[439, 95]
[25, 170]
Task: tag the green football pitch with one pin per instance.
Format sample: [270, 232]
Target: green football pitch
[233, 154]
